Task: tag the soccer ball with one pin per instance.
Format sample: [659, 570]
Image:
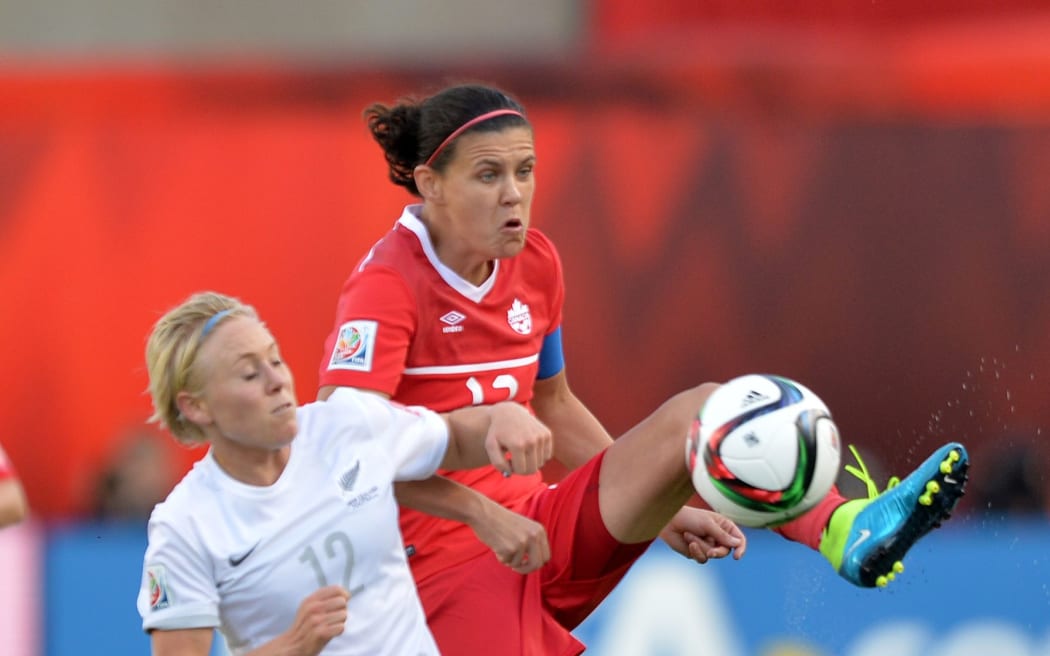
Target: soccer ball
[763, 450]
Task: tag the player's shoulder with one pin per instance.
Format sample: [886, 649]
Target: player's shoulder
[389, 253]
[361, 410]
[539, 259]
[184, 501]
[341, 402]
[391, 265]
[541, 251]
[538, 241]
[346, 410]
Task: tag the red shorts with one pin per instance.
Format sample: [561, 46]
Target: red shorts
[483, 607]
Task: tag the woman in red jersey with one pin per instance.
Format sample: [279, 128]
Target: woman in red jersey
[461, 304]
[456, 307]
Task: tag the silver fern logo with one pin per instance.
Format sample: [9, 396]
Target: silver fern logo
[349, 477]
[347, 482]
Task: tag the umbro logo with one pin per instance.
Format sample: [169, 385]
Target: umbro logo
[452, 321]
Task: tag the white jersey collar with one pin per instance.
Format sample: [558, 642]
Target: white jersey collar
[410, 219]
[248, 490]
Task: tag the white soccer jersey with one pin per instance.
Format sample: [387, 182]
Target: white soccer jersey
[242, 558]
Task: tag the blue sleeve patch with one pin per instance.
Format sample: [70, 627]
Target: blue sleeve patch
[552, 360]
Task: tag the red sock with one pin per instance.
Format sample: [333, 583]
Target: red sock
[808, 528]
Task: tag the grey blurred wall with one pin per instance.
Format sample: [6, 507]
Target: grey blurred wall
[347, 31]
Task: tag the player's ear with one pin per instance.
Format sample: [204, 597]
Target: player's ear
[194, 409]
[428, 181]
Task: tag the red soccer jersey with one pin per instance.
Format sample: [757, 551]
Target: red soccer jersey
[408, 326]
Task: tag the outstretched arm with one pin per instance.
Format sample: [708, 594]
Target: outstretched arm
[505, 435]
[516, 540]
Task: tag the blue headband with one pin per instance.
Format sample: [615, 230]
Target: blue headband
[210, 324]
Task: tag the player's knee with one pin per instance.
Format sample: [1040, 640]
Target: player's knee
[683, 408]
[691, 400]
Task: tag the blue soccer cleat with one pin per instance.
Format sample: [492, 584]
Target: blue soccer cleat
[866, 539]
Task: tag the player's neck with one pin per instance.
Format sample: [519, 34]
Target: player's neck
[251, 466]
[467, 264]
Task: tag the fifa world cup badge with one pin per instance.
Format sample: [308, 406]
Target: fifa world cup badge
[159, 597]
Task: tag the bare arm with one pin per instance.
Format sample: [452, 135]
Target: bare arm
[505, 435]
[511, 439]
[516, 540]
[445, 498]
[188, 642]
[578, 435]
[321, 617]
[13, 506]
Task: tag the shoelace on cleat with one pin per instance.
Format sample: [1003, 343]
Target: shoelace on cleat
[865, 477]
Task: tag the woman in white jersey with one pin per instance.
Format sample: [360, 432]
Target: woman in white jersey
[284, 536]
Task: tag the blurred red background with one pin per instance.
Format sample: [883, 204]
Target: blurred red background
[852, 198]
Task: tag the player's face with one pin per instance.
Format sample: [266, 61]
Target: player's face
[486, 198]
[249, 394]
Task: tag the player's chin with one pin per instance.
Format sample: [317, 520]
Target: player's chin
[285, 431]
[511, 245]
